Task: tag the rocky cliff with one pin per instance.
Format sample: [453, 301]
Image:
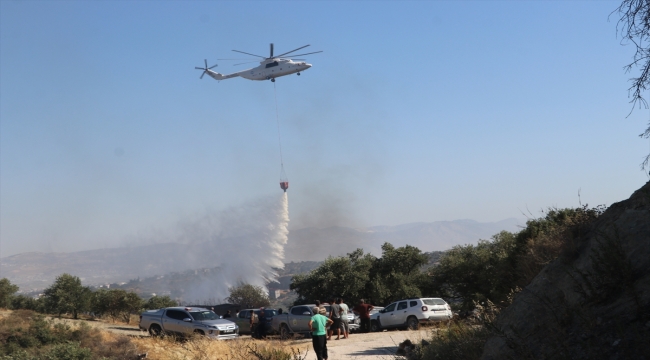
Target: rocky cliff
[593, 302]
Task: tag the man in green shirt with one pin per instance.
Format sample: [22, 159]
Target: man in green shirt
[318, 325]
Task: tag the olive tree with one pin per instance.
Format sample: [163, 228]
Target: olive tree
[248, 295]
[67, 295]
[7, 291]
[159, 302]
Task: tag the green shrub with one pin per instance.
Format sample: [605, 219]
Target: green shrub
[68, 351]
[25, 335]
[491, 269]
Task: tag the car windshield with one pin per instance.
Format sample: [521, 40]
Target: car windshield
[204, 315]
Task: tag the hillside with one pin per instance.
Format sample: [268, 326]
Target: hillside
[37, 270]
[592, 302]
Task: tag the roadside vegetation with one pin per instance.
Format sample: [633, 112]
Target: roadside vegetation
[27, 335]
[478, 280]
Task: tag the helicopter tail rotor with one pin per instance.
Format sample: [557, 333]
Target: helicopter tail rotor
[206, 68]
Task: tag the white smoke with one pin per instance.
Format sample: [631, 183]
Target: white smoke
[246, 243]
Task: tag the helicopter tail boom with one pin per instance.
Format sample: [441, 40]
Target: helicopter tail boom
[217, 76]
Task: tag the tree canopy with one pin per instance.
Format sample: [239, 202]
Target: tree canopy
[492, 270]
[7, 291]
[248, 295]
[397, 274]
[67, 295]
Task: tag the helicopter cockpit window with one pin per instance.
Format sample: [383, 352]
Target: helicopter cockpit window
[275, 63]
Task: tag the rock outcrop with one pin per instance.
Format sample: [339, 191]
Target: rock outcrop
[593, 302]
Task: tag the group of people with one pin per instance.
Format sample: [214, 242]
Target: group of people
[323, 325]
[258, 324]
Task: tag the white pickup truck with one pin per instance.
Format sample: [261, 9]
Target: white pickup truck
[187, 321]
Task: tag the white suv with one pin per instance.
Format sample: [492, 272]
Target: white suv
[409, 313]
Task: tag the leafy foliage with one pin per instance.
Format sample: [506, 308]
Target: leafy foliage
[471, 273]
[248, 295]
[397, 274]
[491, 269]
[67, 295]
[116, 303]
[159, 302]
[26, 303]
[7, 291]
[25, 335]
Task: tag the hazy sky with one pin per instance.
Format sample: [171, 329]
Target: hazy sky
[415, 111]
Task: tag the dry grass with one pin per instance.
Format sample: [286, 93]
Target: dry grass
[106, 344]
[200, 348]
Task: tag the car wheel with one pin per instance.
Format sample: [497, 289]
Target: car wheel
[412, 323]
[155, 330]
[374, 326]
[284, 332]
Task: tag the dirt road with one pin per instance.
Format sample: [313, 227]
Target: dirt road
[359, 346]
[379, 345]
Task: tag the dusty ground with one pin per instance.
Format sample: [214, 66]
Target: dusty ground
[379, 345]
[359, 346]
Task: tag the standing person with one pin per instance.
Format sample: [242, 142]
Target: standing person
[261, 326]
[364, 315]
[227, 315]
[320, 306]
[335, 315]
[318, 325]
[345, 322]
[254, 323]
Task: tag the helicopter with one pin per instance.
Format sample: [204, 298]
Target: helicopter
[270, 68]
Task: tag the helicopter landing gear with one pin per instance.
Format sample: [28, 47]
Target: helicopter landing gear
[298, 74]
[273, 80]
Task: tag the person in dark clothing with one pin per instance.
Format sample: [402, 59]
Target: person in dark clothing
[335, 315]
[227, 315]
[363, 310]
[261, 326]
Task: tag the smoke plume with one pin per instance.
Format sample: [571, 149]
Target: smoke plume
[243, 244]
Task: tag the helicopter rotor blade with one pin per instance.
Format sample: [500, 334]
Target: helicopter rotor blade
[248, 62]
[206, 63]
[213, 66]
[202, 75]
[315, 52]
[271, 51]
[302, 47]
[249, 54]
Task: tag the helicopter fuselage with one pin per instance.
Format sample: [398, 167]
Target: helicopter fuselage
[269, 69]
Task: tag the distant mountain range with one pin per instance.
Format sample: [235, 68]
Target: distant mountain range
[37, 270]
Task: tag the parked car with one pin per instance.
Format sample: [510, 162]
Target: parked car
[376, 309]
[353, 322]
[243, 319]
[187, 321]
[410, 313]
[295, 321]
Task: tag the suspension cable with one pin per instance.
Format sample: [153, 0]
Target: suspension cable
[277, 118]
